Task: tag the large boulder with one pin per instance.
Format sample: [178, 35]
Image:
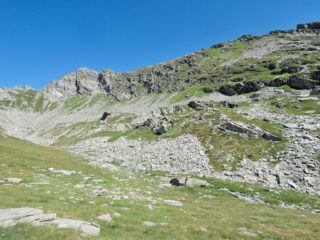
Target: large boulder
[196, 105]
[228, 90]
[105, 115]
[315, 75]
[250, 130]
[300, 83]
[159, 130]
[277, 82]
[241, 88]
[290, 69]
[188, 182]
[228, 104]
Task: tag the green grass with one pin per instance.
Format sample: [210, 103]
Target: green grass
[230, 148]
[121, 118]
[207, 213]
[74, 102]
[143, 134]
[28, 100]
[195, 90]
[213, 52]
[238, 48]
[296, 107]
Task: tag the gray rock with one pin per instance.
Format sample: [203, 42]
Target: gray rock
[269, 136]
[160, 130]
[105, 217]
[12, 216]
[309, 26]
[104, 116]
[299, 83]
[196, 105]
[188, 182]
[12, 180]
[241, 88]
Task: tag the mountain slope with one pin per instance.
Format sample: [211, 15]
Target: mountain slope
[208, 95]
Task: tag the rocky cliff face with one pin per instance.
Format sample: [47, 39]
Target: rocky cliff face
[247, 58]
[84, 81]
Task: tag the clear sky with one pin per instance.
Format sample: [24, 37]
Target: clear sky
[40, 40]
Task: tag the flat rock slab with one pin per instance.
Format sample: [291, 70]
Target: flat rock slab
[12, 216]
[12, 180]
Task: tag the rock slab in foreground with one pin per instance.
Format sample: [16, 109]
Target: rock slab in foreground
[12, 216]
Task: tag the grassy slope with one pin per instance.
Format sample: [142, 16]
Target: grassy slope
[207, 213]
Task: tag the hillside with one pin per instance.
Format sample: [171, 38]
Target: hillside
[241, 116]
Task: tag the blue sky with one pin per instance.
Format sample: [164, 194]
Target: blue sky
[40, 40]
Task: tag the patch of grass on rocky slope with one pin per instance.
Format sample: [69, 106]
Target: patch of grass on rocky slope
[74, 102]
[225, 147]
[195, 90]
[206, 213]
[230, 148]
[297, 107]
[266, 125]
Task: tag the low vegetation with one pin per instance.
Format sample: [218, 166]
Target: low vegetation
[212, 217]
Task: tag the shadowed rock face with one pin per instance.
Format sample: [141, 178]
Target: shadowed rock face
[309, 26]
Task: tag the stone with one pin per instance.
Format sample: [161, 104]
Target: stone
[196, 105]
[277, 82]
[62, 171]
[207, 90]
[228, 104]
[315, 75]
[299, 83]
[292, 184]
[228, 90]
[177, 182]
[241, 88]
[269, 136]
[105, 217]
[88, 229]
[105, 115]
[12, 180]
[195, 182]
[160, 130]
[291, 69]
[13, 216]
[149, 224]
[188, 182]
[173, 203]
[309, 26]
[178, 109]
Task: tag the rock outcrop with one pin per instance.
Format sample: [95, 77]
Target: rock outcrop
[250, 130]
[13, 216]
[309, 26]
[188, 182]
[241, 88]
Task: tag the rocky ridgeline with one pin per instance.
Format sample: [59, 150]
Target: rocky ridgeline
[178, 74]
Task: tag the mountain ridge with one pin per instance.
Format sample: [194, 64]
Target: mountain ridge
[126, 85]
